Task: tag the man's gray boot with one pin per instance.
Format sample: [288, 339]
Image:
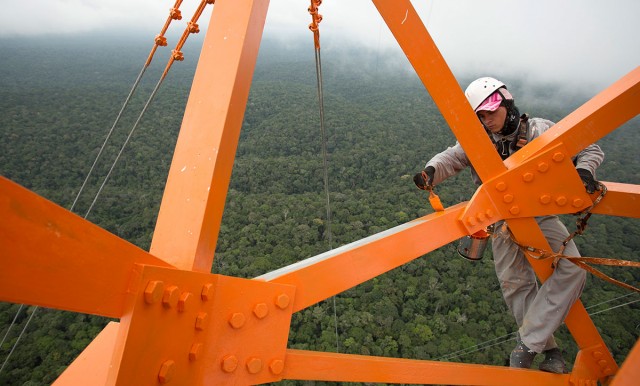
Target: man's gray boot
[521, 356]
[553, 361]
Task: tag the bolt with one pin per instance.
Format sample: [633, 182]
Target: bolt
[602, 363]
[194, 352]
[229, 363]
[527, 177]
[261, 310]
[558, 157]
[577, 202]
[507, 198]
[153, 292]
[560, 201]
[201, 321]
[167, 370]
[237, 320]
[207, 292]
[184, 301]
[501, 186]
[254, 365]
[545, 199]
[480, 217]
[471, 221]
[514, 210]
[276, 366]
[607, 371]
[489, 213]
[282, 301]
[170, 297]
[597, 354]
[543, 167]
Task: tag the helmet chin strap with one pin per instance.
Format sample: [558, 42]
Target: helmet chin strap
[512, 119]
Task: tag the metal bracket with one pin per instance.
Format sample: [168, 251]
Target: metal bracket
[545, 184]
[195, 328]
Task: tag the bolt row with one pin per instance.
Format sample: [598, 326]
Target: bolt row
[527, 177]
[602, 362]
[253, 364]
[171, 297]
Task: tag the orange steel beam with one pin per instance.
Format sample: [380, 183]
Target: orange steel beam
[578, 321]
[194, 327]
[621, 200]
[191, 328]
[630, 371]
[309, 365]
[433, 71]
[332, 272]
[193, 203]
[94, 362]
[50, 257]
[593, 120]
[545, 184]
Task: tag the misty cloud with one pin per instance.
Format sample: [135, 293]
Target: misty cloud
[587, 43]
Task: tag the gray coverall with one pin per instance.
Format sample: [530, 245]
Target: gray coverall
[538, 311]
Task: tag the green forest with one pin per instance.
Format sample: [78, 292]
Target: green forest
[60, 97]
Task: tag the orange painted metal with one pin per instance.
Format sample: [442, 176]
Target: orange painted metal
[545, 184]
[433, 71]
[92, 366]
[332, 272]
[578, 321]
[183, 327]
[599, 116]
[316, 18]
[50, 257]
[621, 200]
[161, 40]
[630, 371]
[309, 365]
[193, 328]
[189, 219]
[192, 28]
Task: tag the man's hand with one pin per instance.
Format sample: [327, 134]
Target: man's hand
[590, 183]
[424, 178]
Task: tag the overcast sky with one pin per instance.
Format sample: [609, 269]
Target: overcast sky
[592, 41]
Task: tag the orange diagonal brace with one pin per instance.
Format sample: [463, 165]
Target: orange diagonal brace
[578, 321]
[91, 367]
[630, 371]
[420, 49]
[308, 365]
[50, 257]
[332, 272]
[193, 202]
[621, 200]
[598, 117]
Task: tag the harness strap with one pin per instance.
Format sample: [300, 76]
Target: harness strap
[517, 143]
[583, 262]
[523, 128]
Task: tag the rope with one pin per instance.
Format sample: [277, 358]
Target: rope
[6, 360]
[316, 18]
[104, 144]
[113, 165]
[582, 262]
[13, 322]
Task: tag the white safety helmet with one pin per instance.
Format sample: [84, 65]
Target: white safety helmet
[480, 89]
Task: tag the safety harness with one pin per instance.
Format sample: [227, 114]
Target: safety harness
[582, 262]
[507, 147]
